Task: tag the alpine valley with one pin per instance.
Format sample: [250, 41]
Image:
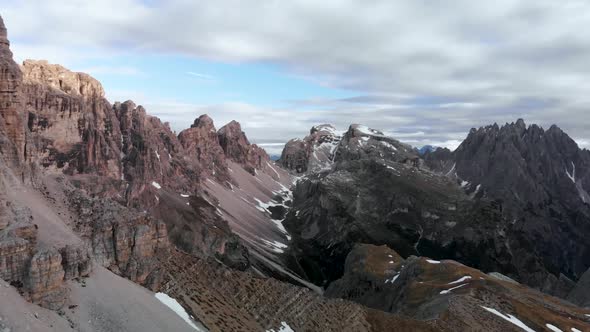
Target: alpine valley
[110, 221]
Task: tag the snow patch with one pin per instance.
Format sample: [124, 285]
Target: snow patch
[446, 291]
[393, 279]
[459, 280]
[184, 195]
[275, 246]
[510, 318]
[575, 330]
[156, 185]
[432, 261]
[157, 154]
[573, 175]
[367, 131]
[391, 262]
[553, 328]
[177, 308]
[452, 169]
[277, 173]
[388, 145]
[283, 328]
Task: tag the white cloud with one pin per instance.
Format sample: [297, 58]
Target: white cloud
[448, 65]
[200, 76]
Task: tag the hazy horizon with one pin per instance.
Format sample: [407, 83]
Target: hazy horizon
[423, 72]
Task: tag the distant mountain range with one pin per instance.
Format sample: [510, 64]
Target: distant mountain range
[110, 221]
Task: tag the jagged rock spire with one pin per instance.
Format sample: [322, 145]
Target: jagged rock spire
[12, 115]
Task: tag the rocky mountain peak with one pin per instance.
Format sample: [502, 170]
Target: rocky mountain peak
[4, 43]
[357, 130]
[62, 79]
[236, 147]
[323, 128]
[203, 121]
[12, 118]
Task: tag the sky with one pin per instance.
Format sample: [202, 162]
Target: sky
[422, 71]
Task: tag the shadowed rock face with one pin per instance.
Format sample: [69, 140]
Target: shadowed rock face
[505, 201]
[580, 294]
[541, 178]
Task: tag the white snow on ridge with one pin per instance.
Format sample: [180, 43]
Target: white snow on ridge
[575, 330]
[367, 131]
[275, 246]
[510, 318]
[432, 261]
[388, 145]
[157, 155]
[452, 169]
[184, 195]
[573, 175]
[283, 328]
[553, 328]
[156, 185]
[393, 279]
[177, 308]
[459, 280]
[446, 291]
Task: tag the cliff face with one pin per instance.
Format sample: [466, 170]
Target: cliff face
[72, 127]
[12, 119]
[541, 179]
[506, 200]
[236, 147]
[124, 181]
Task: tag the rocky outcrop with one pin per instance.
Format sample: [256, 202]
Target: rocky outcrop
[580, 294]
[361, 142]
[400, 205]
[43, 283]
[380, 191]
[12, 118]
[72, 127]
[151, 153]
[62, 79]
[314, 153]
[200, 142]
[236, 147]
[369, 273]
[76, 261]
[447, 294]
[18, 242]
[122, 240]
[541, 179]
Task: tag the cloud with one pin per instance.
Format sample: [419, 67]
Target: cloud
[200, 76]
[447, 66]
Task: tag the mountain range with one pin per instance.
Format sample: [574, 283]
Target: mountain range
[109, 221]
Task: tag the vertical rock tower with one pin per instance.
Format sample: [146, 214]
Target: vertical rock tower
[12, 117]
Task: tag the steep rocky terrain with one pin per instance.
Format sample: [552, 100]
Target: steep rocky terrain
[448, 294]
[541, 179]
[109, 221]
[508, 205]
